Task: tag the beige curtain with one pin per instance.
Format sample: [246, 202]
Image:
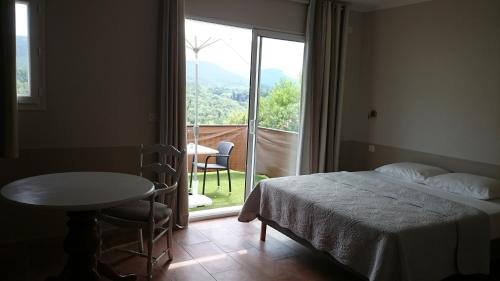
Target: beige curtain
[8, 94]
[172, 92]
[325, 49]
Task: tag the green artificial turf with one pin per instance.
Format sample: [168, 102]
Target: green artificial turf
[221, 196]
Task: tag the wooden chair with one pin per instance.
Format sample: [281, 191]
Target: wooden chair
[151, 214]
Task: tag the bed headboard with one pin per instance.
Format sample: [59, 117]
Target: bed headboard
[354, 156]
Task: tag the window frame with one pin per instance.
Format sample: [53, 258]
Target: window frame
[36, 34]
[253, 100]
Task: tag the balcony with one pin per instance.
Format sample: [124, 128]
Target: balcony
[271, 146]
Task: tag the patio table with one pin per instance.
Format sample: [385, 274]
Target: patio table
[202, 150]
[195, 199]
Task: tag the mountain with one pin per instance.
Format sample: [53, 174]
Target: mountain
[270, 76]
[22, 51]
[211, 75]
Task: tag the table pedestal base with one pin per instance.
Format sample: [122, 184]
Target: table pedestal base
[81, 245]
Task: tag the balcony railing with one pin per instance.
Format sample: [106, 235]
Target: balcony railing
[276, 150]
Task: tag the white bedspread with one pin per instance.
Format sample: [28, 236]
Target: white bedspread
[381, 229]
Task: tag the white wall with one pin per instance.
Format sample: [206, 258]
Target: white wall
[101, 75]
[355, 101]
[432, 71]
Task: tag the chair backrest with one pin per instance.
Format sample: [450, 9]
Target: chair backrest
[165, 162]
[224, 148]
[162, 160]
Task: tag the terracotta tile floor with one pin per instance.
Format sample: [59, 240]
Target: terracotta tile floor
[222, 250]
[226, 250]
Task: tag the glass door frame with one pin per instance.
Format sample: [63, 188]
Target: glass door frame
[253, 99]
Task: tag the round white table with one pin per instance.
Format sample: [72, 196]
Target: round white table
[81, 195]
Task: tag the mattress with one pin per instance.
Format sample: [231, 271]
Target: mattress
[490, 207]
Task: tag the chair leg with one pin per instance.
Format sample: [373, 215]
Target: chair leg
[218, 178]
[169, 239]
[141, 240]
[229, 178]
[204, 179]
[150, 253]
[191, 180]
[99, 246]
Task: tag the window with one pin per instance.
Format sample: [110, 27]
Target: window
[29, 57]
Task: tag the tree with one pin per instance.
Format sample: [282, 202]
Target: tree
[22, 82]
[22, 74]
[238, 117]
[280, 108]
[213, 108]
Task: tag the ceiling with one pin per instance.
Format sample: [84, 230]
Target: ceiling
[372, 5]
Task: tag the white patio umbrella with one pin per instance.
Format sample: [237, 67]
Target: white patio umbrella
[196, 129]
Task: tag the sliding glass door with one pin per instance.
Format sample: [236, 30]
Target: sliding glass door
[274, 106]
[217, 86]
[243, 88]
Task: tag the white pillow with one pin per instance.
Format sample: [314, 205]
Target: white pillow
[409, 171]
[466, 184]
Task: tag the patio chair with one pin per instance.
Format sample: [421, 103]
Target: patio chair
[151, 214]
[221, 163]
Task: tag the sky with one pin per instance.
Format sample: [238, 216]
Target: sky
[232, 49]
[21, 19]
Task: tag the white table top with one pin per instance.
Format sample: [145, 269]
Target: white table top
[78, 191]
[202, 150]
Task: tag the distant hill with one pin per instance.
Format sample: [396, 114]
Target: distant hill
[22, 51]
[212, 75]
[269, 77]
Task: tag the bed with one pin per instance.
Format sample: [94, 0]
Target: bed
[380, 227]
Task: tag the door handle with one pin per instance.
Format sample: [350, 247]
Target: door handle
[251, 127]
